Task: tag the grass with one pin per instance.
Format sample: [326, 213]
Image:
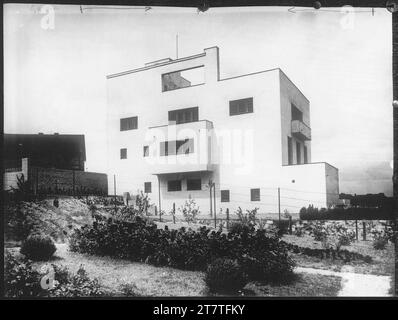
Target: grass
[305, 285]
[120, 277]
[382, 260]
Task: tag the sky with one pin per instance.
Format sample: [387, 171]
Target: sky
[341, 59]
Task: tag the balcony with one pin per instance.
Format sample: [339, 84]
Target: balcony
[179, 148]
[300, 130]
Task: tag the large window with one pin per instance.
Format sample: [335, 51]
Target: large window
[194, 184]
[224, 195]
[128, 123]
[298, 152]
[123, 153]
[184, 115]
[296, 113]
[168, 148]
[240, 106]
[255, 194]
[183, 78]
[289, 150]
[174, 185]
[147, 187]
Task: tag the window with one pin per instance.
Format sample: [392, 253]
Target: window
[298, 152]
[184, 115]
[240, 106]
[194, 184]
[123, 153]
[224, 195]
[183, 78]
[289, 150]
[146, 151]
[168, 148]
[174, 185]
[128, 123]
[147, 187]
[296, 113]
[254, 194]
[305, 154]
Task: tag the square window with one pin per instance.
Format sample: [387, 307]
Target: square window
[255, 194]
[128, 123]
[174, 185]
[240, 106]
[194, 184]
[147, 187]
[146, 151]
[123, 153]
[224, 195]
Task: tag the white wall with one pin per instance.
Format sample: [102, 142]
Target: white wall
[140, 94]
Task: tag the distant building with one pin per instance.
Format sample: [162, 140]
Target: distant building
[53, 164]
[175, 128]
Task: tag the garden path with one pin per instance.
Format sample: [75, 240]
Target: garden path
[356, 284]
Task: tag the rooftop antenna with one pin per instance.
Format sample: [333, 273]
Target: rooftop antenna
[177, 46]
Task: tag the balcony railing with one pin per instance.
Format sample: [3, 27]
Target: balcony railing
[300, 130]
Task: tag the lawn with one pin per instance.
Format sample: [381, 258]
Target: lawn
[148, 280]
[382, 260]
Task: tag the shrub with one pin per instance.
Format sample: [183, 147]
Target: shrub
[225, 276]
[189, 210]
[130, 290]
[240, 228]
[264, 257]
[38, 247]
[74, 285]
[380, 243]
[20, 279]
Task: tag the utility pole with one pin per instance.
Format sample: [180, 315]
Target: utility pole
[211, 201]
[177, 46]
[114, 189]
[279, 206]
[215, 214]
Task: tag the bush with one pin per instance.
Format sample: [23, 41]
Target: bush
[263, 257]
[38, 247]
[130, 290]
[20, 279]
[225, 276]
[380, 243]
[240, 228]
[74, 285]
[189, 210]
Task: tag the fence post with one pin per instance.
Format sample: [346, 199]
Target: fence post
[364, 230]
[174, 212]
[227, 219]
[356, 230]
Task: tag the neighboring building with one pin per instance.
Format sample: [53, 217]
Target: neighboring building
[174, 126]
[54, 164]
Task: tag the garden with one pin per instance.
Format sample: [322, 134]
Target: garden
[118, 250]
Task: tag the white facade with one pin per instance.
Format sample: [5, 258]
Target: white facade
[237, 152]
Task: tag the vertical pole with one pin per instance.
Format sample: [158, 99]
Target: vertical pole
[114, 189]
[160, 204]
[73, 182]
[174, 212]
[211, 201]
[356, 230]
[176, 46]
[227, 219]
[215, 214]
[279, 207]
[364, 230]
[290, 224]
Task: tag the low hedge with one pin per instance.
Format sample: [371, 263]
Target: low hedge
[329, 253]
[262, 257]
